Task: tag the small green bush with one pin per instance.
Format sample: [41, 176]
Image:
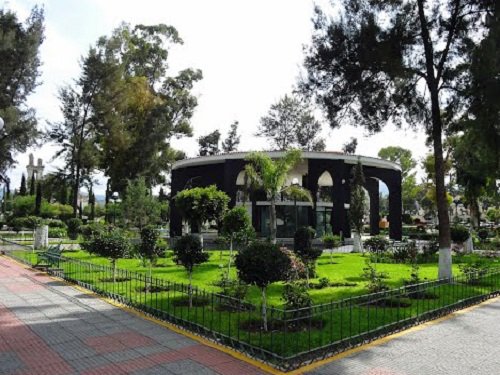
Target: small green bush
[482, 234]
[330, 241]
[90, 230]
[56, 224]
[296, 296]
[74, 225]
[459, 233]
[376, 244]
[374, 278]
[57, 232]
[406, 253]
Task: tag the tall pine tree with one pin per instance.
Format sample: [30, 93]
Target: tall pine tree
[22, 189]
[403, 62]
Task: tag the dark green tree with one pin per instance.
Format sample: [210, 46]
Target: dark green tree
[188, 251]
[209, 144]
[139, 108]
[290, 124]
[92, 205]
[19, 71]
[349, 148]
[260, 264]
[237, 227]
[148, 249]
[139, 207]
[22, 188]
[38, 198]
[303, 248]
[199, 205]
[404, 158]
[112, 245]
[32, 185]
[398, 61]
[76, 134]
[230, 144]
[162, 197]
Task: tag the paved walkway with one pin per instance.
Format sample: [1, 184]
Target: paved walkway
[468, 343]
[48, 327]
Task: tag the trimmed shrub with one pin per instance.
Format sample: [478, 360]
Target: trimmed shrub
[459, 233]
[74, 225]
[57, 232]
[56, 224]
[376, 244]
[482, 234]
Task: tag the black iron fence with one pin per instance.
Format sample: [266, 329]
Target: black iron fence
[294, 337]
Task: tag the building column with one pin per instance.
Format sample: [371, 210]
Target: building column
[372, 185]
[395, 208]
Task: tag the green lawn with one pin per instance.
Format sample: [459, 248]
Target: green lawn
[346, 268]
[289, 333]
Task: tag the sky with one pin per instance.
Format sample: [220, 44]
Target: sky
[250, 53]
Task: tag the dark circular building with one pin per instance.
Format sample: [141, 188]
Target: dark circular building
[326, 175]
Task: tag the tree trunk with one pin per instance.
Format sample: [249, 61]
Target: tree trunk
[76, 188]
[190, 289]
[432, 80]
[230, 257]
[357, 245]
[200, 236]
[445, 261]
[150, 273]
[475, 215]
[272, 222]
[264, 309]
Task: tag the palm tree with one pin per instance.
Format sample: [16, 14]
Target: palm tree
[270, 175]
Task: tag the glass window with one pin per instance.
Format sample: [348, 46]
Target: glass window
[323, 221]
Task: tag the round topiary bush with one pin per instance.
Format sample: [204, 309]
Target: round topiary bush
[376, 244]
[74, 225]
[482, 234]
[459, 233]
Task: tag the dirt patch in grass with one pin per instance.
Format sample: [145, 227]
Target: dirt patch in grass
[152, 289]
[197, 301]
[390, 302]
[255, 325]
[422, 294]
[116, 280]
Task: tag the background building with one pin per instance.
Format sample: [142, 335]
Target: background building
[325, 174]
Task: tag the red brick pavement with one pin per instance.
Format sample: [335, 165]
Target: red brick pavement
[39, 358]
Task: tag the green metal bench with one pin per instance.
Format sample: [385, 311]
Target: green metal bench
[50, 257]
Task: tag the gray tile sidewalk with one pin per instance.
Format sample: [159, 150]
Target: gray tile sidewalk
[48, 327]
[467, 343]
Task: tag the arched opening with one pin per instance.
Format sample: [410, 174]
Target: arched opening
[377, 205]
[324, 204]
[241, 187]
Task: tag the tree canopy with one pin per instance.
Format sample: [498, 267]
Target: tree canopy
[290, 123]
[19, 72]
[398, 61]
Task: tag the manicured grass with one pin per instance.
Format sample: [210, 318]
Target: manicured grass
[290, 333]
[346, 268]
